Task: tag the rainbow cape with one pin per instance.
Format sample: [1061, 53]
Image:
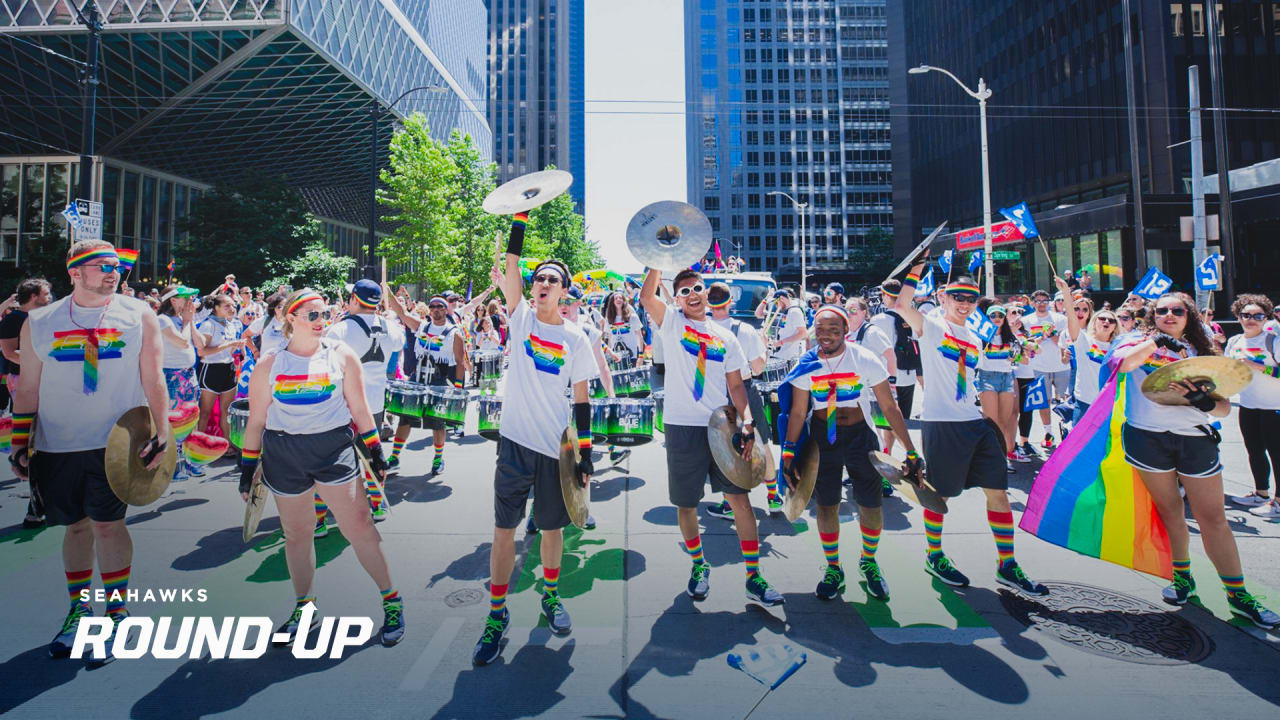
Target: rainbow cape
[1088, 499]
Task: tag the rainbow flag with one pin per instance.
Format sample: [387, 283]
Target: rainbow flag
[127, 257]
[1088, 499]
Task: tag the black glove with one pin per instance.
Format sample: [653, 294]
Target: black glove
[246, 477]
[153, 448]
[913, 468]
[1200, 399]
[16, 460]
[585, 468]
[376, 462]
[1168, 343]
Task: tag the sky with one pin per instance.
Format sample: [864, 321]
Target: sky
[635, 151]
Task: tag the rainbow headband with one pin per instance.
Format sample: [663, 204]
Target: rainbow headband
[724, 303]
[94, 254]
[956, 288]
[833, 310]
[438, 298]
[554, 266]
[360, 301]
[303, 299]
[888, 292]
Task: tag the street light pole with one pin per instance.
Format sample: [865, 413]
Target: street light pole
[801, 209]
[89, 112]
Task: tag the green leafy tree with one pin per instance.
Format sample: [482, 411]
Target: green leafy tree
[42, 256]
[475, 228]
[419, 190]
[317, 268]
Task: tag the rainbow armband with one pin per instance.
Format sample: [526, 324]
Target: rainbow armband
[370, 439]
[584, 441]
[788, 450]
[249, 458]
[911, 281]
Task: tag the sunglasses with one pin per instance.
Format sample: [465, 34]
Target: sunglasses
[547, 278]
[1016, 313]
[966, 298]
[106, 268]
[1082, 311]
[688, 290]
[315, 315]
[1126, 318]
[437, 306]
[1105, 321]
[1177, 311]
[1257, 317]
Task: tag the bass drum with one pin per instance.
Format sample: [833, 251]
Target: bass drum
[490, 416]
[237, 421]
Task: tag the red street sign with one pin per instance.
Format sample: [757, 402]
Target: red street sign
[971, 239]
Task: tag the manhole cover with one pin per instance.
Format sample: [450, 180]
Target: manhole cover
[1108, 623]
[459, 598]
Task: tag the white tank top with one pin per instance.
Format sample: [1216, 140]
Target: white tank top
[78, 403]
[175, 357]
[306, 392]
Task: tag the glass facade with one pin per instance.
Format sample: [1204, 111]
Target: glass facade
[144, 210]
[33, 192]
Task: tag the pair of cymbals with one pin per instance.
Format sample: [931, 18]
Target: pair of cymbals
[1225, 376]
[127, 475]
[669, 235]
[744, 473]
[922, 494]
[527, 192]
[577, 497]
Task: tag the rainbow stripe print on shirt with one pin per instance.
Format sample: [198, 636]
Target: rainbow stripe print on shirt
[693, 339]
[68, 346]
[1157, 360]
[303, 389]
[548, 357]
[1095, 353]
[848, 387]
[952, 347]
[431, 343]
[620, 328]
[997, 352]
[1257, 355]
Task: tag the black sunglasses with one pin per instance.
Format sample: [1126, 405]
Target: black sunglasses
[1258, 317]
[547, 278]
[964, 297]
[1177, 311]
[315, 315]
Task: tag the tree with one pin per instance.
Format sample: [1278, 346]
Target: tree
[252, 229]
[42, 256]
[473, 181]
[419, 188]
[317, 268]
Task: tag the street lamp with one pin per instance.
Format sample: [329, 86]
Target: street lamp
[376, 112]
[800, 209]
[982, 95]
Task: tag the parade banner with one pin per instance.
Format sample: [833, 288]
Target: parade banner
[1001, 233]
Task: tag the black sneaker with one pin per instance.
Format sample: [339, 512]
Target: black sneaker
[1182, 589]
[1029, 450]
[490, 645]
[941, 568]
[61, 645]
[832, 583]
[618, 455]
[96, 660]
[760, 591]
[699, 581]
[392, 622]
[557, 617]
[290, 626]
[1011, 574]
[876, 585]
[721, 510]
[1250, 608]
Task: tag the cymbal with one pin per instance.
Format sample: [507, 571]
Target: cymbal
[924, 495]
[669, 235]
[806, 464]
[746, 475]
[577, 499]
[1227, 375]
[129, 479]
[253, 508]
[527, 192]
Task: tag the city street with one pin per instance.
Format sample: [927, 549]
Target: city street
[1103, 645]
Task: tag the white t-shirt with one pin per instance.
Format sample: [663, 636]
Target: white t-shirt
[885, 323]
[686, 339]
[793, 322]
[175, 357]
[996, 356]
[545, 359]
[852, 375]
[271, 332]
[1262, 393]
[1147, 414]
[1046, 331]
[749, 338]
[625, 334]
[873, 339]
[372, 348]
[950, 388]
[435, 343]
[1089, 355]
[219, 333]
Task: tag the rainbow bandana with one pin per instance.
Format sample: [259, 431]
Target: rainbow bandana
[888, 293]
[966, 357]
[724, 303]
[107, 252]
[704, 347]
[303, 299]
[957, 288]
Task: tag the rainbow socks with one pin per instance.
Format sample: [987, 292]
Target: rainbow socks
[870, 542]
[550, 580]
[304, 599]
[439, 458]
[751, 556]
[116, 585]
[1233, 584]
[76, 581]
[771, 484]
[1182, 566]
[694, 548]
[321, 510]
[497, 600]
[390, 595]
[375, 494]
[396, 446]
[933, 533]
[1002, 528]
[831, 547]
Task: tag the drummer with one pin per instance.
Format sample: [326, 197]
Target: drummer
[442, 360]
[622, 323]
[571, 311]
[551, 355]
[304, 401]
[73, 395]
[835, 375]
[705, 365]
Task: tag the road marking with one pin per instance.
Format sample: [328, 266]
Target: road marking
[425, 666]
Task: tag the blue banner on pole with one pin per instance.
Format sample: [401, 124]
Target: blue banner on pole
[1037, 397]
[981, 325]
[1208, 274]
[945, 261]
[1020, 216]
[926, 285]
[1153, 285]
[975, 261]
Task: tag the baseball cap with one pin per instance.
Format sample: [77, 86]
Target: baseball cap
[575, 292]
[836, 287]
[367, 293]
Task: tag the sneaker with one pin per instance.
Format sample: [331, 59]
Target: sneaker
[775, 505]
[1048, 443]
[290, 626]
[1270, 511]
[1011, 574]
[876, 585]
[760, 591]
[722, 510]
[941, 568]
[180, 473]
[1251, 500]
[699, 581]
[1250, 608]
[591, 523]
[616, 456]
[393, 463]
[194, 470]
[392, 622]
[322, 529]
[530, 528]
[490, 645]
[380, 513]
[886, 488]
[31, 522]
[96, 660]
[832, 583]
[61, 645]
[437, 467]
[1028, 450]
[1021, 455]
[557, 617]
[1008, 466]
[1182, 589]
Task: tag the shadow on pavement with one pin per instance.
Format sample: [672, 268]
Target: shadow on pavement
[474, 566]
[223, 546]
[526, 685]
[606, 490]
[170, 506]
[30, 674]
[416, 488]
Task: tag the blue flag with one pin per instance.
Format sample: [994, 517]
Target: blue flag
[1037, 397]
[1208, 275]
[981, 325]
[1020, 216]
[1153, 285]
[975, 261]
[926, 286]
[945, 261]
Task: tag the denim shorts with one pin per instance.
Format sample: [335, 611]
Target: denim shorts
[993, 381]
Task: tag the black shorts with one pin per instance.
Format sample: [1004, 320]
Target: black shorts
[964, 454]
[293, 464]
[906, 395]
[756, 402]
[1189, 455]
[519, 471]
[690, 466]
[73, 486]
[854, 443]
[217, 377]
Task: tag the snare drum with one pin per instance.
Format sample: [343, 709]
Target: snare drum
[446, 404]
[489, 366]
[602, 418]
[631, 423]
[490, 413]
[659, 397]
[595, 389]
[624, 362]
[404, 399]
[237, 421]
[632, 383]
[774, 373]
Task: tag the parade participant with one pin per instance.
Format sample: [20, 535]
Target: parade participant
[86, 359]
[719, 298]
[550, 355]
[217, 374]
[267, 331]
[571, 311]
[794, 330]
[487, 338]
[833, 294]
[1259, 414]
[442, 361]
[812, 302]
[1091, 335]
[1045, 328]
[373, 340]
[997, 390]
[1175, 445]
[961, 449]
[622, 324]
[1023, 351]
[228, 286]
[906, 350]
[32, 293]
[303, 401]
[177, 330]
[705, 364]
[836, 375]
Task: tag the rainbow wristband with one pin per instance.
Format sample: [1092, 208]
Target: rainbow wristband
[584, 441]
[21, 435]
[788, 450]
[911, 455]
[457, 384]
[911, 281]
[249, 458]
[370, 439]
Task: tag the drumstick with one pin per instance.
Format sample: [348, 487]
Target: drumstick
[365, 469]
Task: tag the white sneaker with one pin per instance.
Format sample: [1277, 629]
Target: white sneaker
[1270, 511]
[1253, 499]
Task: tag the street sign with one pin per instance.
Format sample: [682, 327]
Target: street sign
[90, 226]
[1005, 255]
[971, 238]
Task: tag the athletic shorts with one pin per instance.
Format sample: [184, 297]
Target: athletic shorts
[964, 454]
[756, 403]
[906, 396]
[293, 464]
[690, 466]
[1189, 455]
[217, 377]
[995, 381]
[1058, 384]
[519, 471]
[73, 486]
[851, 452]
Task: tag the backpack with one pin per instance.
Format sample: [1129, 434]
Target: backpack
[374, 353]
[905, 347]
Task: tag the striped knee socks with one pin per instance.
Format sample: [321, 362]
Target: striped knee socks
[439, 453]
[693, 547]
[870, 542]
[830, 547]
[390, 595]
[933, 533]
[550, 580]
[76, 581]
[771, 484]
[751, 556]
[116, 585]
[497, 600]
[1182, 567]
[396, 446]
[1002, 529]
[322, 510]
[1233, 584]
